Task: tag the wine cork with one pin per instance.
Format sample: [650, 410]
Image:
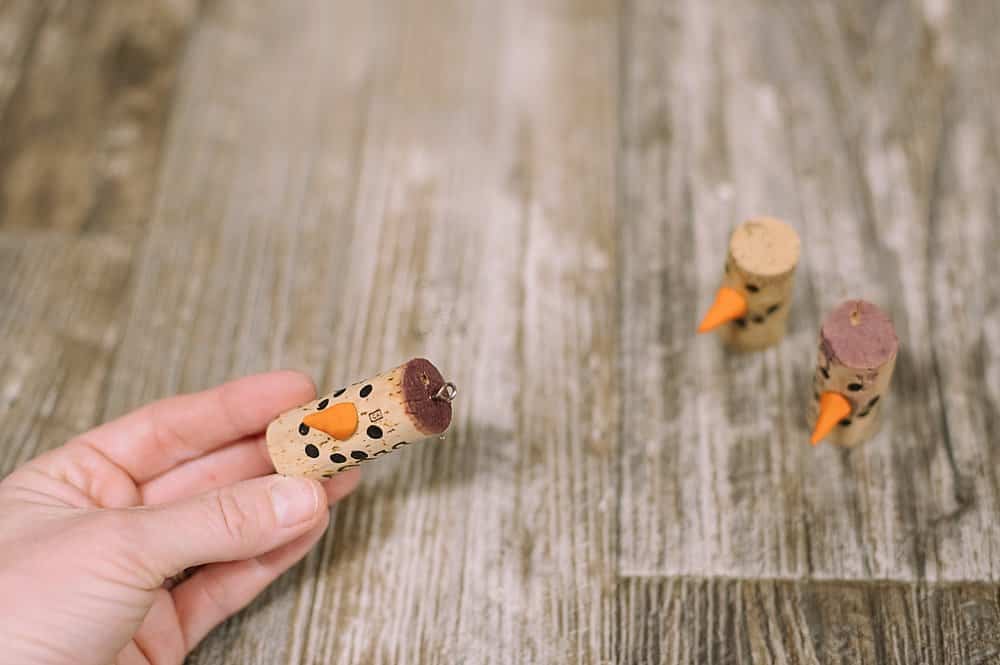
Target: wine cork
[751, 308]
[352, 425]
[857, 355]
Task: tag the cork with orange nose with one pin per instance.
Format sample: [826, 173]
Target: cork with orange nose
[365, 420]
[751, 307]
[857, 355]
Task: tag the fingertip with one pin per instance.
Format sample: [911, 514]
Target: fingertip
[293, 382]
[341, 485]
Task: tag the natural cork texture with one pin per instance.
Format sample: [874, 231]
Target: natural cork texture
[857, 355]
[763, 255]
[393, 409]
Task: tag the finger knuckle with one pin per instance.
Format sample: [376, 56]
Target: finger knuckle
[236, 521]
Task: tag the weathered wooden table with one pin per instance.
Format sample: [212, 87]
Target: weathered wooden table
[536, 194]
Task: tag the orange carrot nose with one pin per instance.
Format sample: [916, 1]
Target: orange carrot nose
[833, 407]
[729, 305]
[339, 421]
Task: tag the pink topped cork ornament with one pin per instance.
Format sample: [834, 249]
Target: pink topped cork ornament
[857, 355]
[365, 420]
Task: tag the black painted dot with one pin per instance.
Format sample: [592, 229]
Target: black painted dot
[772, 309]
[375, 432]
[303, 429]
[854, 387]
[825, 372]
[753, 288]
[339, 392]
[323, 404]
[742, 323]
[337, 458]
[758, 319]
[366, 391]
[874, 401]
[845, 422]
[359, 454]
[312, 451]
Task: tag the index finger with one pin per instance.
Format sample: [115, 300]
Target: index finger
[163, 434]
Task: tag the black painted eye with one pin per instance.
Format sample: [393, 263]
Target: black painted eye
[742, 322]
[339, 392]
[758, 319]
[375, 432]
[845, 422]
[337, 458]
[854, 387]
[366, 391]
[312, 451]
[772, 309]
[753, 288]
[303, 429]
[825, 372]
[323, 404]
[874, 401]
[359, 454]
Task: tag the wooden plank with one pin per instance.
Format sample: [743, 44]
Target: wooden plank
[84, 96]
[709, 622]
[349, 184]
[964, 314]
[78, 162]
[60, 314]
[833, 117]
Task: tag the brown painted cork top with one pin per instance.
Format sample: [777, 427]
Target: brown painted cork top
[765, 246]
[859, 335]
[421, 382]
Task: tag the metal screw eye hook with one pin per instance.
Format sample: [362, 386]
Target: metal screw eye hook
[447, 392]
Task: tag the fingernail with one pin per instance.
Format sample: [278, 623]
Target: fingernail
[294, 500]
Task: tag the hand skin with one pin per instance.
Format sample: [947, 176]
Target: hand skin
[91, 531]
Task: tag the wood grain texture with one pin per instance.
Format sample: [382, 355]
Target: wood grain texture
[84, 88]
[347, 185]
[537, 196]
[858, 122]
[79, 155]
[749, 622]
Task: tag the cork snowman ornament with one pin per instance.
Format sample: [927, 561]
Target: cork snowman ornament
[751, 307]
[368, 419]
[857, 355]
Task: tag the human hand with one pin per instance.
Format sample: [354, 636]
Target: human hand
[90, 532]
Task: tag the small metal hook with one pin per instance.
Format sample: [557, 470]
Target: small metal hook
[447, 392]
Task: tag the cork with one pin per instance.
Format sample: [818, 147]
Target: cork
[857, 355]
[759, 277]
[349, 426]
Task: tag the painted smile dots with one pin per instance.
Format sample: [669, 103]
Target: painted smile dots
[751, 307]
[361, 422]
[857, 355]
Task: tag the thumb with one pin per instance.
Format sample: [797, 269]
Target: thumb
[236, 522]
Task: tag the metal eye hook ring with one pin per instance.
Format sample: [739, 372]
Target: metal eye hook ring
[447, 392]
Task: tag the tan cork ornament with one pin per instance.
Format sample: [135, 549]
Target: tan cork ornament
[857, 355]
[751, 308]
[352, 425]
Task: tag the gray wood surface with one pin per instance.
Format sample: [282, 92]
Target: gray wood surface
[536, 195]
[871, 127]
